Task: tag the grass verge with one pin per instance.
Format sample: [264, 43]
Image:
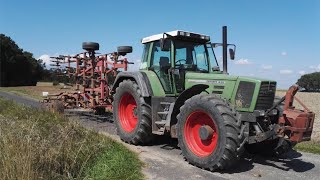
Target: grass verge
[21, 91]
[308, 146]
[36, 144]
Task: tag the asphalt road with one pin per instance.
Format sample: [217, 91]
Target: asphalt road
[164, 160]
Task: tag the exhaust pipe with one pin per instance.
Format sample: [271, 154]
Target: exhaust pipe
[224, 49]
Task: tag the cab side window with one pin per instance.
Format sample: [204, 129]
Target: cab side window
[145, 56]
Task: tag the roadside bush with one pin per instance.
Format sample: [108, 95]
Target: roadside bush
[36, 144]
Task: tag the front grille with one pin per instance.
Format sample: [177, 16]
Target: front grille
[244, 94]
[266, 95]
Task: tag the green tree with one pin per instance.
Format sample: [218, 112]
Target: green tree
[18, 67]
[310, 82]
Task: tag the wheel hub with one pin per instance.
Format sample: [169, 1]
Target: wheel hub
[201, 134]
[205, 132]
[135, 111]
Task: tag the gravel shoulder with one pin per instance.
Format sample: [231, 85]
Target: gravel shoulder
[164, 160]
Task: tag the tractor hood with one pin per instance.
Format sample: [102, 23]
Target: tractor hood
[217, 78]
[241, 91]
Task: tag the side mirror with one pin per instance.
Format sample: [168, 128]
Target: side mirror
[232, 54]
[214, 45]
[165, 44]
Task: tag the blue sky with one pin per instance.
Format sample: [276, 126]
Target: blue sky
[276, 39]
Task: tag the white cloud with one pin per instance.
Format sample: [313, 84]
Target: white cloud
[242, 61]
[266, 67]
[286, 71]
[302, 72]
[135, 66]
[46, 59]
[315, 68]
[283, 53]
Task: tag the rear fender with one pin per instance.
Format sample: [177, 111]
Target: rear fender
[139, 77]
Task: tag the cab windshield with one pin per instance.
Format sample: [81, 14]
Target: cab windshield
[194, 56]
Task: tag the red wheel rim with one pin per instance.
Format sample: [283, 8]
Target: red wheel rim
[128, 112]
[198, 146]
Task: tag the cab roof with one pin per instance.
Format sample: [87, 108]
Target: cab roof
[176, 33]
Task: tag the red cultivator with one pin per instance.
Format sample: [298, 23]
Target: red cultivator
[93, 75]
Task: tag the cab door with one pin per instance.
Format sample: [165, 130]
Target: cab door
[161, 64]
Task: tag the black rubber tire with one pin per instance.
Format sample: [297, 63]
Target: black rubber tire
[142, 134]
[100, 111]
[229, 146]
[90, 46]
[122, 50]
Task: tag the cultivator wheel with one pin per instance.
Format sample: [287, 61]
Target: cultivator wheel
[209, 132]
[132, 115]
[90, 46]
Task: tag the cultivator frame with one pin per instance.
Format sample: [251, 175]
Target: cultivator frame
[295, 124]
[93, 75]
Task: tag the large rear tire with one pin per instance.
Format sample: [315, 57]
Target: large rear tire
[132, 115]
[209, 132]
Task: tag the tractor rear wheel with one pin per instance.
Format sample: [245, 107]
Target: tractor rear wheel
[132, 115]
[209, 132]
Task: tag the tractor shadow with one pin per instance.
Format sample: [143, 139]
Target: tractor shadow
[290, 161]
[89, 116]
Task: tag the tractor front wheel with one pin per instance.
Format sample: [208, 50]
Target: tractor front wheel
[209, 132]
[131, 114]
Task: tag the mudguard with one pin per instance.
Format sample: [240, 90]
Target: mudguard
[139, 77]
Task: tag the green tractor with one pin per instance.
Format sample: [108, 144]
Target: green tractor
[180, 91]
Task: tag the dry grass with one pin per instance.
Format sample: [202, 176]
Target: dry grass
[36, 144]
[34, 92]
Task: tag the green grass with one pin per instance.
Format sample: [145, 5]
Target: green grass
[308, 146]
[36, 144]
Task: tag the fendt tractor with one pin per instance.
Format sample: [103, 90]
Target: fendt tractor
[180, 91]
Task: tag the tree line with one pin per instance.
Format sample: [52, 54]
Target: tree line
[20, 68]
[310, 82]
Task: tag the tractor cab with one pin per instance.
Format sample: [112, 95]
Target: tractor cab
[173, 54]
